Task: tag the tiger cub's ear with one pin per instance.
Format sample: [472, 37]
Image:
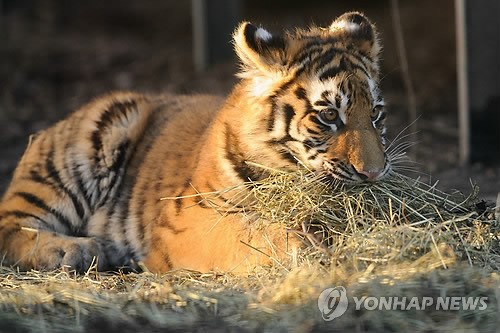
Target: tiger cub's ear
[358, 31]
[258, 49]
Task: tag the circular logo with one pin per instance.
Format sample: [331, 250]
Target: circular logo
[332, 303]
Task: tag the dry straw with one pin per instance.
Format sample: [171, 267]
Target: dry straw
[399, 219]
[397, 237]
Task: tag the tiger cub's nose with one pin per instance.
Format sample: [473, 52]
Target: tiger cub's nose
[369, 175]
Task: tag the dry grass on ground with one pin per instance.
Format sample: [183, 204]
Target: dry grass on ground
[396, 238]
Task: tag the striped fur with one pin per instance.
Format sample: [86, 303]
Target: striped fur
[90, 186]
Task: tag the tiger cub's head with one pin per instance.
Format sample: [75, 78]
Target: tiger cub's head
[315, 93]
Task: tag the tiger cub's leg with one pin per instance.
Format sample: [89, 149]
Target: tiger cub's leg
[41, 214]
[35, 248]
[67, 174]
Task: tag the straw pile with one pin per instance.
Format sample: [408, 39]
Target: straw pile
[399, 237]
[399, 219]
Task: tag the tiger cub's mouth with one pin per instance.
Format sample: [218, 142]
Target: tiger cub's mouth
[343, 173]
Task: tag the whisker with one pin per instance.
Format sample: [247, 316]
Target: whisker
[399, 169]
[400, 138]
[400, 135]
[401, 147]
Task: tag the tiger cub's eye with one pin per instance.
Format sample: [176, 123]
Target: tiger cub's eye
[376, 111]
[329, 116]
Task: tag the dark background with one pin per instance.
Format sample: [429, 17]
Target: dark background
[56, 55]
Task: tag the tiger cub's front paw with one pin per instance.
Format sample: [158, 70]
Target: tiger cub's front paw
[70, 253]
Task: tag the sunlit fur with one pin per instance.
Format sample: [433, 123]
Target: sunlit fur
[91, 186]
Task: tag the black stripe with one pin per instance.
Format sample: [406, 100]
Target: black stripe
[289, 114]
[95, 138]
[118, 214]
[114, 111]
[338, 101]
[37, 202]
[321, 103]
[53, 173]
[360, 65]
[116, 170]
[179, 201]
[322, 41]
[313, 156]
[327, 57]
[272, 116]
[166, 258]
[119, 210]
[318, 44]
[165, 222]
[121, 156]
[202, 204]
[343, 66]
[235, 156]
[308, 52]
[220, 196]
[280, 91]
[210, 187]
[331, 72]
[161, 249]
[36, 178]
[325, 94]
[358, 57]
[312, 132]
[282, 150]
[301, 94]
[286, 155]
[282, 141]
[273, 101]
[142, 196]
[344, 168]
[300, 71]
[78, 178]
[308, 143]
[22, 215]
[288, 109]
[361, 68]
[338, 174]
[6, 235]
[178, 205]
[124, 214]
[178, 208]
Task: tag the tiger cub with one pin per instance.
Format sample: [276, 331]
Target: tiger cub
[87, 190]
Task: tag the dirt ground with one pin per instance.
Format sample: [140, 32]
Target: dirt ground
[56, 55]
